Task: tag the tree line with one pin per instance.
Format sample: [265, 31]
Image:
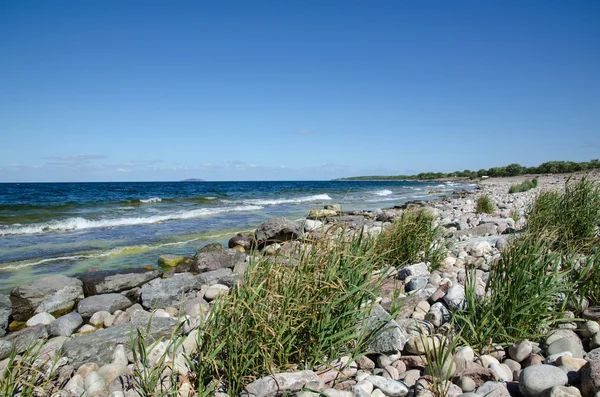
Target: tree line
[549, 167]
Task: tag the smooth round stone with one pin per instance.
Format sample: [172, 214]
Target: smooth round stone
[561, 333]
[520, 351]
[86, 329]
[40, 318]
[466, 384]
[216, 290]
[589, 329]
[489, 388]
[120, 356]
[365, 385]
[391, 373]
[593, 354]
[111, 372]
[97, 319]
[566, 344]
[86, 368]
[391, 388]
[537, 378]
[383, 361]
[486, 360]
[94, 383]
[465, 353]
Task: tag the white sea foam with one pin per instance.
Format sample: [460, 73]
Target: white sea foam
[151, 200]
[82, 223]
[316, 197]
[383, 192]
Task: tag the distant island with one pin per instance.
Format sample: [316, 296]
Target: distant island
[550, 167]
[193, 180]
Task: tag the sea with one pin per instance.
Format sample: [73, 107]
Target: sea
[69, 228]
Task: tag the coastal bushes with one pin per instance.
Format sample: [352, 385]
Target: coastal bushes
[412, 238]
[484, 205]
[549, 167]
[523, 187]
[290, 315]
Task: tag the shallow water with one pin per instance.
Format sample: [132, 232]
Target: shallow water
[66, 228]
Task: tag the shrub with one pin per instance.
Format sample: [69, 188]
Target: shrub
[412, 238]
[523, 187]
[524, 295]
[569, 219]
[484, 205]
[290, 315]
[585, 278]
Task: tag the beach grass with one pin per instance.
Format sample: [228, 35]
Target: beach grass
[524, 186]
[290, 313]
[412, 238]
[484, 205]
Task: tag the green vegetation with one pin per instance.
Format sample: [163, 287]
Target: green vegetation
[484, 205]
[28, 374]
[286, 316]
[412, 238]
[550, 167]
[554, 263]
[524, 288]
[523, 187]
[569, 219]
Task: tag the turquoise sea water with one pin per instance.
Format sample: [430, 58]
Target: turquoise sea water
[67, 228]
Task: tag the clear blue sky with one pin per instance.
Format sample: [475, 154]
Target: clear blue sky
[255, 90]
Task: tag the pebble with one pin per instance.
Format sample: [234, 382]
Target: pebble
[566, 344]
[391, 388]
[383, 361]
[537, 378]
[40, 318]
[520, 351]
[589, 329]
[97, 319]
[94, 383]
[466, 384]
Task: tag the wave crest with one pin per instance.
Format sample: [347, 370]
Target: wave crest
[383, 192]
[79, 223]
[316, 197]
[151, 200]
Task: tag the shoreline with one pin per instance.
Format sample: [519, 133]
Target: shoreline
[91, 314]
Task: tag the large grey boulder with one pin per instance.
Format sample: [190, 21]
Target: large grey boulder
[27, 337]
[536, 378]
[100, 346]
[5, 310]
[391, 337]
[209, 261]
[219, 276]
[161, 293]
[277, 230]
[105, 282]
[55, 294]
[279, 384]
[106, 302]
[65, 325]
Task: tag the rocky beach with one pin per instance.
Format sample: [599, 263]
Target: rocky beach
[79, 332]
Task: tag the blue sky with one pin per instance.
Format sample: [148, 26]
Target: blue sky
[275, 90]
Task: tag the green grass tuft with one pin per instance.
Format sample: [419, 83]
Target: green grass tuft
[569, 218]
[523, 187]
[413, 238]
[522, 296]
[288, 316]
[484, 205]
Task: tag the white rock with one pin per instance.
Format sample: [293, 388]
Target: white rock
[94, 383]
[40, 318]
[97, 319]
